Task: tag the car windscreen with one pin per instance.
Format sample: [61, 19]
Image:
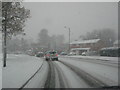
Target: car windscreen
[52, 52]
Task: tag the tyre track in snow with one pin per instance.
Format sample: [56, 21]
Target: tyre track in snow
[50, 82]
[61, 77]
[90, 80]
[55, 78]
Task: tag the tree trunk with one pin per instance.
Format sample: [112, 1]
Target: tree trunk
[4, 50]
[4, 45]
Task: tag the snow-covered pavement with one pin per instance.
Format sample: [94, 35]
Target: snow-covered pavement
[72, 79]
[111, 59]
[39, 79]
[19, 69]
[0, 71]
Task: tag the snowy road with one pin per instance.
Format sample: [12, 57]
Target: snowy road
[72, 73]
[55, 74]
[104, 71]
[65, 73]
[61, 76]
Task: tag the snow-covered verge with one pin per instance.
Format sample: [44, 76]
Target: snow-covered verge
[112, 59]
[0, 71]
[38, 81]
[19, 69]
[0, 61]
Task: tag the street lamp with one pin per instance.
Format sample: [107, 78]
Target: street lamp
[69, 36]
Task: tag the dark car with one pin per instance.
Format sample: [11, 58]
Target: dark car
[63, 53]
[51, 55]
[40, 54]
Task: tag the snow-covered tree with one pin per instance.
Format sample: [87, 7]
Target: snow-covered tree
[14, 15]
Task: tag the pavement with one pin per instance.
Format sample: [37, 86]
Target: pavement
[0, 71]
[19, 69]
[112, 59]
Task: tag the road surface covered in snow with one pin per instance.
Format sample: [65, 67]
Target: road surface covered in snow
[73, 80]
[71, 73]
[104, 72]
[58, 76]
[24, 71]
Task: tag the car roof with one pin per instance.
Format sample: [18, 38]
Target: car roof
[50, 51]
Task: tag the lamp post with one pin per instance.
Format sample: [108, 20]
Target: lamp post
[69, 36]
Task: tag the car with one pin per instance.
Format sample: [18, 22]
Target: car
[71, 53]
[40, 54]
[84, 54]
[63, 53]
[51, 55]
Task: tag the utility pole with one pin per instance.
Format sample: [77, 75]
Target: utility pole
[69, 40]
[69, 37]
[55, 44]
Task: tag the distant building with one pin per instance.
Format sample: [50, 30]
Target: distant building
[86, 46]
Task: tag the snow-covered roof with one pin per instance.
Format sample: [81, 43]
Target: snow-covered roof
[86, 41]
[80, 48]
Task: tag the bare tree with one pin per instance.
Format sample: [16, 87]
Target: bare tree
[44, 38]
[108, 36]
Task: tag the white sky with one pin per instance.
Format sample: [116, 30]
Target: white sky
[81, 17]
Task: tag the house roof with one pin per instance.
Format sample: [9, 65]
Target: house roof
[80, 48]
[86, 41]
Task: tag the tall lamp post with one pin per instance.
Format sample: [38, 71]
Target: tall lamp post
[69, 36]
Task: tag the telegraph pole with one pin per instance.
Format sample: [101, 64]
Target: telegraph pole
[4, 41]
[69, 40]
[69, 37]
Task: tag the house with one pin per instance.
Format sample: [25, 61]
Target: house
[81, 46]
